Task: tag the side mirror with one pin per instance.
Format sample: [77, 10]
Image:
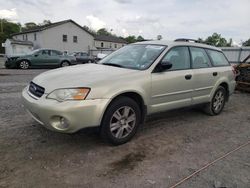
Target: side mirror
[165, 65]
[36, 55]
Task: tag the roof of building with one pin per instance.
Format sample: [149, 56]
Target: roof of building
[44, 27]
[110, 39]
[14, 41]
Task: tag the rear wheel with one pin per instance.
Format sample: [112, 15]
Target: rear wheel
[218, 102]
[121, 121]
[24, 64]
[65, 64]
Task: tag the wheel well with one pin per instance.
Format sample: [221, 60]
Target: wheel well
[65, 60]
[225, 85]
[139, 100]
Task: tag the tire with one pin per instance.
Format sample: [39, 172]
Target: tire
[123, 116]
[89, 61]
[24, 64]
[217, 104]
[65, 64]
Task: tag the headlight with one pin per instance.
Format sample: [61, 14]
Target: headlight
[69, 94]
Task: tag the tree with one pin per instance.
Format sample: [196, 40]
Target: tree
[104, 31]
[7, 28]
[140, 38]
[93, 32]
[46, 22]
[159, 37]
[131, 39]
[217, 40]
[29, 25]
[246, 43]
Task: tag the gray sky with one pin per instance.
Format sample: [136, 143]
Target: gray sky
[169, 18]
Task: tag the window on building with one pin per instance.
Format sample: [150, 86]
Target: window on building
[75, 39]
[65, 38]
[34, 36]
[23, 37]
[102, 44]
[115, 45]
[199, 58]
[26, 37]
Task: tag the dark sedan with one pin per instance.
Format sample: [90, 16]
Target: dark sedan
[83, 57]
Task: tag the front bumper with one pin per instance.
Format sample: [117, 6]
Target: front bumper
[10, 63]
[79, 114]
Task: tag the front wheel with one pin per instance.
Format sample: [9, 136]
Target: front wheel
[24, 64]
[217, 104]
[121, 121]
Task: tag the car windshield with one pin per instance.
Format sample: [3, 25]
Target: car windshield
[136, 56]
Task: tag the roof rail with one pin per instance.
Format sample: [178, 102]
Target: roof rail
[187, 40]
[192, 40]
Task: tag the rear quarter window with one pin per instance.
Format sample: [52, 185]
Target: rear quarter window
[218, 58]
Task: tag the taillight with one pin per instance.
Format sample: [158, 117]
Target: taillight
[234, 70]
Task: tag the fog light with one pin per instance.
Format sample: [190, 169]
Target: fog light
[60, 123]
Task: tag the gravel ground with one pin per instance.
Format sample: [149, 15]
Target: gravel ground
[170, 147]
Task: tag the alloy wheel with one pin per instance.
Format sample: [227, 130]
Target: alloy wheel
[122, 122]
[218, 101]
[24, 65]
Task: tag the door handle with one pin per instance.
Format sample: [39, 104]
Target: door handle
[215, 73]
[188, 76]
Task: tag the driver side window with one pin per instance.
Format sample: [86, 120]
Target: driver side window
[179, 57]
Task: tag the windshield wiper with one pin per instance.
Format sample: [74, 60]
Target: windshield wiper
[112, 64]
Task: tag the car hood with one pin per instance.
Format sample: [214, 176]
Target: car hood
[87, 75]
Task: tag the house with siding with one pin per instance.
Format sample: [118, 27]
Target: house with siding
[109, 42]
[64, 36]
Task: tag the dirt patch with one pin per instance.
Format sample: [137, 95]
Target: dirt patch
[128, 162]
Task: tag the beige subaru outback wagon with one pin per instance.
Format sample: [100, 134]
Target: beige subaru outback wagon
[119, 91]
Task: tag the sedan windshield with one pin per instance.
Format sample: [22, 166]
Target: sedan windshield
[135, 56]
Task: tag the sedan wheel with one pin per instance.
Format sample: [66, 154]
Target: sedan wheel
[65, 64]
[121, 120]
[24, 64]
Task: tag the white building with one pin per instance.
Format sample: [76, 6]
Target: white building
[109, 42]
[65, 35]
[17, 47]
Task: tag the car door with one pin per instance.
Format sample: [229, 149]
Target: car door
[42, 58]
[54, 59]
[173, 88]
[84, 57]
[204, 75]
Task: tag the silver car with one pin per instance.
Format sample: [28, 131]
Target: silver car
[123, 88]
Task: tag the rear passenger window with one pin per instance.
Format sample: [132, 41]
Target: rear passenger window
[179, 57]
[217, 58]
[199, 58]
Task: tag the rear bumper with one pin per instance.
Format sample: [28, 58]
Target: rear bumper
[79, 114]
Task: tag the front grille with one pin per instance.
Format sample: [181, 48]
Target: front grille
[36, 90]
